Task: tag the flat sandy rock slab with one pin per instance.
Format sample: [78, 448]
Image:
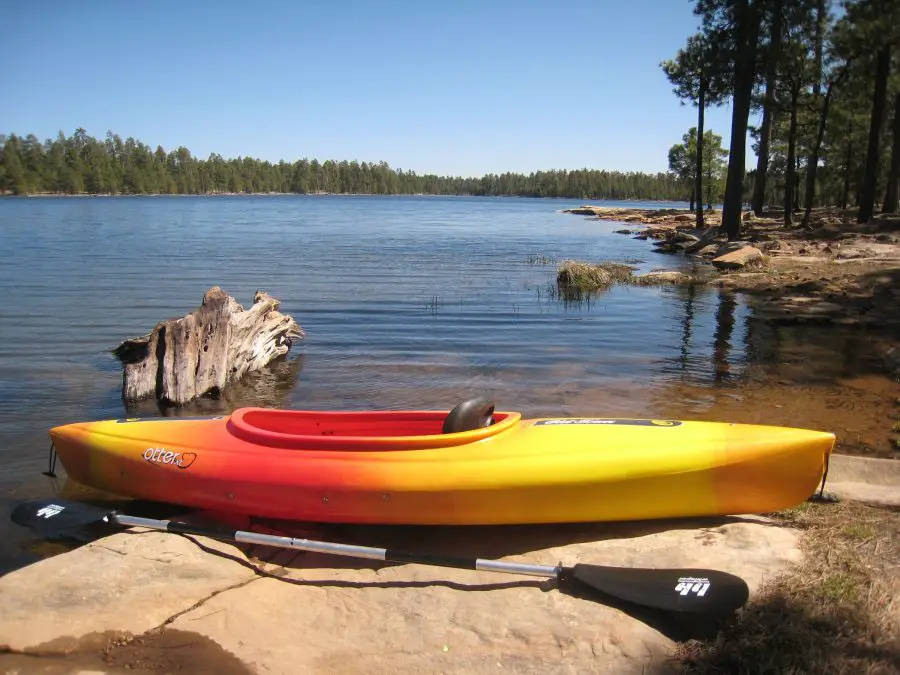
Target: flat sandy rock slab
[875, 495]
[127, 583]
[329, 616]
[872, 470]
[865, 479]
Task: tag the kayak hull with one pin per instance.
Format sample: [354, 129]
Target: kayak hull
[397, 467]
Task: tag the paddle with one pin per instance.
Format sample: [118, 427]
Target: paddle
[694, 591]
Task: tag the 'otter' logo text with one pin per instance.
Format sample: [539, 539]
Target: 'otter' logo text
[162, 456]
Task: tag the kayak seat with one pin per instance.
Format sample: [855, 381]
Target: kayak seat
[474, 413]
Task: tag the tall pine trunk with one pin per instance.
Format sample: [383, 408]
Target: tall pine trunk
[813, 164]
[797, 187]
[870, 182]
[791, 176]
[765, 132]
[892, 192]
[813, 157]
[848, 163]
[745, 57]
[698, 179]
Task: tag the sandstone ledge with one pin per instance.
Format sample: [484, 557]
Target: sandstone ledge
[312, 613]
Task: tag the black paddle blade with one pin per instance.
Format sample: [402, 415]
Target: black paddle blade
[57, 518]
[695, 591]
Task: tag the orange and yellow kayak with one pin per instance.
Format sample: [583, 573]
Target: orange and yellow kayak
[404, 467]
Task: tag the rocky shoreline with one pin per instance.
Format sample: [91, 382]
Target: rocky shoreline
[835, 272]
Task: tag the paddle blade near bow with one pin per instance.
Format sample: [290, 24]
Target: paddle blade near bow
[682, 590]
[58, 519]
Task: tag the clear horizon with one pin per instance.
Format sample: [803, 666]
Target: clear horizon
[459, 90]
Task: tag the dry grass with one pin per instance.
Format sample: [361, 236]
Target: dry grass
[835, 613]
[589, 277]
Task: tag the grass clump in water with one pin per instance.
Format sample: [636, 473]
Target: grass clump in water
[591, 277]
[833, 613]
[586, 277]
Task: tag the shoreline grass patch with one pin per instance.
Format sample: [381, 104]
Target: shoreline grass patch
[574, 276]
[591, 277]
[836, 612]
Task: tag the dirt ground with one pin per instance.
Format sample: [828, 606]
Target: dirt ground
[837, 612]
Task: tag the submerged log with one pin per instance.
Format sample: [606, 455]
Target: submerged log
[200, 353]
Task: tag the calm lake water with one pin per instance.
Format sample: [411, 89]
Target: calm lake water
[407, 302]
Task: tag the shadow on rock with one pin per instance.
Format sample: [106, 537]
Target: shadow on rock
[677, 626]
[488, 541]
[164, 651]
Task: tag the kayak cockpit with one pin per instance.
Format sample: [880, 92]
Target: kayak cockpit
[468, 422]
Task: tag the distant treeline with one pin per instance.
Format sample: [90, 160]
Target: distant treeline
[81, 164]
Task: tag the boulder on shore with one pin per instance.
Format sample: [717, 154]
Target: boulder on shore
[738, 259]
[662, 277]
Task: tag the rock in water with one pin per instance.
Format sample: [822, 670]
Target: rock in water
[200, 353]
[661, 277]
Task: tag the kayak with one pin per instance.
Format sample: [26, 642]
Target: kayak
[467, 466]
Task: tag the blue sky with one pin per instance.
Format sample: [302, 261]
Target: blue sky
[455, 87]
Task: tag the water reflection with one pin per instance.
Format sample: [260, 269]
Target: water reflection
[268, 387]
[724, 329]
[690, 292]
[572, 297]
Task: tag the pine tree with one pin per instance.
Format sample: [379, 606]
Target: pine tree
[872, 27]
[734, 26]
[698, 75]
[892, 189]
[772, 59]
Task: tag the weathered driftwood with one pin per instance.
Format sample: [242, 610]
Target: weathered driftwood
[198, 354]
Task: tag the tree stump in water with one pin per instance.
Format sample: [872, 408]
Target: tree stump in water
[198, 354]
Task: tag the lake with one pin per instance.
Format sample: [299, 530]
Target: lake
[407, 302]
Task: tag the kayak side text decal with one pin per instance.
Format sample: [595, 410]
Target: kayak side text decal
[162, 456]
[589, 420]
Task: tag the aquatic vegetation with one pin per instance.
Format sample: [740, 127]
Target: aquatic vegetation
[586, 277]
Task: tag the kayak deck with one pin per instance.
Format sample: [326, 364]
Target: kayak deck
[358, 431]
